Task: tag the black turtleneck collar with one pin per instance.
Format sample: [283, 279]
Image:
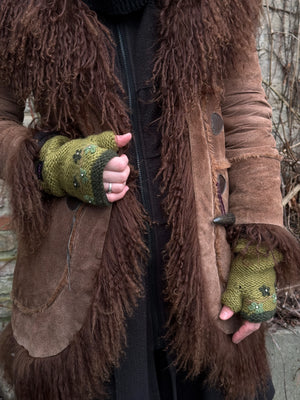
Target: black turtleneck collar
[115, 7]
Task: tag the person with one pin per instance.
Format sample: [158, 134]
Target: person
[146, 199]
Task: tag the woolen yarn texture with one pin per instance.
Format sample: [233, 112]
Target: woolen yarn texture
[75, 167]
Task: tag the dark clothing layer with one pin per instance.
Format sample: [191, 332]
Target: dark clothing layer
[146, 372]
[134, 35]
[116, 7]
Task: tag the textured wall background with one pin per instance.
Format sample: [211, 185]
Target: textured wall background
[7, 257]
[279, 51]
[8, 248]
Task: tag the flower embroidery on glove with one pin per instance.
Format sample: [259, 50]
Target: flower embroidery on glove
[89, 199]
[265, 290]
[90, 149]
[256, 307]
[77, 156]
[76, 183]
[83, 176]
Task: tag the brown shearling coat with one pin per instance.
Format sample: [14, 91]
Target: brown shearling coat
[49, 310]
[234, 163]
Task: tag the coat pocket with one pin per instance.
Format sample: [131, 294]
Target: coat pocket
[54, 287]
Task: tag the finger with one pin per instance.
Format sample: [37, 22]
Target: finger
[117, 164]
[245, 330]
[123, 140]
[226, 313]
[115, 187]
[116, 177]
[112, 197]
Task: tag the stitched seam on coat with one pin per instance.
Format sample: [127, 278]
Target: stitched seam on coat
[63, 281]
[214, 167]
[247, 156]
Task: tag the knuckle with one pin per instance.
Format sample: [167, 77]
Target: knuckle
[123, 176]
[123, 163]
[125, 158]
[127, 170]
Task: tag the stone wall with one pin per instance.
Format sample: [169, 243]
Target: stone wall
[8, 251]
[8, 248]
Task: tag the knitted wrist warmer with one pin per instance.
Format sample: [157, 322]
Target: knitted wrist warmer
[251, 284]
[75, 167]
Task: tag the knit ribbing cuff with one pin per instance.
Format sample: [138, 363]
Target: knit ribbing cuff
[99, 193]
[257, 318]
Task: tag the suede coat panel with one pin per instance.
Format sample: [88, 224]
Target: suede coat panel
[85, 276]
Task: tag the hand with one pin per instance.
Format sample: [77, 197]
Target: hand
[116, 172]
[245, 330]
[75, 167]
[251, 283]
[250, 288]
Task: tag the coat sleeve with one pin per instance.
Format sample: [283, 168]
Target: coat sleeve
[18, 152]
[12, 133]
[254, 176]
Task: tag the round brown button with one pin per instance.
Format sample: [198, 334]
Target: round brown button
[217, 123]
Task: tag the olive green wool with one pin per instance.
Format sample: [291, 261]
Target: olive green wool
[251, 285]
[75, 167]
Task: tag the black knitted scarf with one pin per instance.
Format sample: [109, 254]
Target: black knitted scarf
[115, 7]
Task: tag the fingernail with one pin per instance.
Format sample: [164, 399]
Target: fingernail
[223, 315]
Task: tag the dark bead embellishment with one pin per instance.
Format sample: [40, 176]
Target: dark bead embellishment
[265, 290]
[226, 219]
[77, 156]
[76, 183]
[217, 123]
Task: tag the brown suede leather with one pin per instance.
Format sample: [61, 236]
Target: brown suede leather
[250, 165]
[47, 313]
[53, 288]
[255, 168]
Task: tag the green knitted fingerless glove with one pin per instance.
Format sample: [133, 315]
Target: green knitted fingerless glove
[251, 285]
[75, 167]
